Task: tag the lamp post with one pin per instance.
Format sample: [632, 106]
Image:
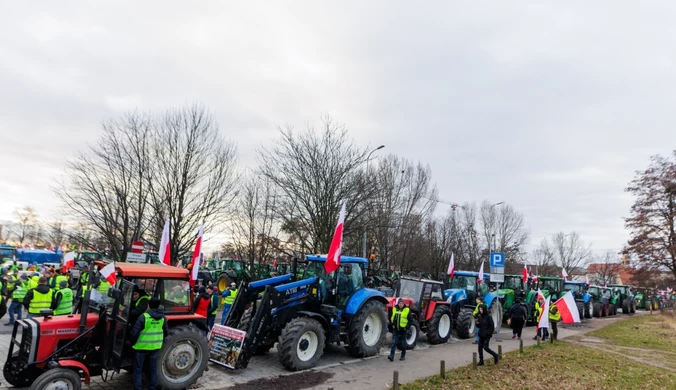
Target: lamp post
[491, 234]
[368, 157]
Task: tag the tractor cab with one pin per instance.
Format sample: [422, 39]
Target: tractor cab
[337, 289]
[624, 297]
[512, 288]
[583, 299]
[462, 294]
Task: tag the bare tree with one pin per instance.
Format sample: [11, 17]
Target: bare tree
[107, 187]
[542, 260]
[504, 229]
[605, 269]
[193, 176]
[56, 232]
[26, 225]
[314, 172]
[570, 252]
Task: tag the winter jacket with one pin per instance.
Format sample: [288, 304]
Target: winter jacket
[141, 323]
[518, 312]
[201, 304]
[42, 288]
[486, 325]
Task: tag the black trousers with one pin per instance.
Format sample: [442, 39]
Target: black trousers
[483, 346]
[517, 326]
[555, 331]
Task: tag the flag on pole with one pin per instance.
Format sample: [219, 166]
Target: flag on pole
[333, 258]
[564, 274]
[165, 247]
[568, 308]
[544, 316]
[68, 261]
[586, 279]
[540, 295]
[481, 273]
[524, 273]
[196, 255]
[51, 247]
[108, 272]
[451, 266]
[535, 278]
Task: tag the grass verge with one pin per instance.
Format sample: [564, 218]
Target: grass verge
[561, 366]
[657, 331]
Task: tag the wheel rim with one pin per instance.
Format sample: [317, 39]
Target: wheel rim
[307, 346]
[59, 384]
[182, 361]
[411, 335]
[472, 327]
[371, 330]
[444, 325]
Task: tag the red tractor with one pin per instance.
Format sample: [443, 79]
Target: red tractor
[64, 351]
[429, 311]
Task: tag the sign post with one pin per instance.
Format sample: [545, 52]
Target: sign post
[497, 264]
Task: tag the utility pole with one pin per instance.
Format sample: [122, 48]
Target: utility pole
[367, 172]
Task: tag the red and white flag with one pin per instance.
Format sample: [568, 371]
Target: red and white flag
[481, 273]
[108, 272]
[544, 317]
[564, 274]
[451, 266]
[51, 247]
[165, 247]
[196, 255]
[586, 279]
[524, 273]
[333, 258]
[68, 261]
[540, 295]
[568, 309]
[535, 278]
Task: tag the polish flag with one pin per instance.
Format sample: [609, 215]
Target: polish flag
[165, 247]
[540, 294]
[333, 258]
[108, 272]
[568, 309]
[586, 279]
[196, 255]
[564, 274]
[451, 267]
[68, 261]
[524, 273]
[51, 247]
[544, 317]
[481, 273]
[274, 262]
[535, 278]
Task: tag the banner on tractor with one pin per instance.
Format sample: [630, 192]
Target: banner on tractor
[225, 345]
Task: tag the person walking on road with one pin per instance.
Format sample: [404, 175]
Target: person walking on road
[479, 302]
[487, 326]
[399, 325]
[543, 333]
[517, 318]
[147, 336]
[229, 296]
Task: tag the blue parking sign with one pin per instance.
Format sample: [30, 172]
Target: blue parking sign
[497, 259]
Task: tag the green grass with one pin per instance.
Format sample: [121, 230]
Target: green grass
[553, 366]
[656, 331]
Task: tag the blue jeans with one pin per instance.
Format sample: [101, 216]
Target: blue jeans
[17, 307]
[476, 335]
[140, 357]
[396, 335]
[226, 308]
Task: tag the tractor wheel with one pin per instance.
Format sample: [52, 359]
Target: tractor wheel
[301, 344]
[244, 321]
[496, 312]
[58, 378]
[183, 358]
[625, 306]
[367, 330]
[411, 335]
[440, 325]
[465, 323]
[646, 305]
[597, 310]
[612, 310]
[632, 307]
[17, 381]
[580, 309]
[224, 281]
[588, 307]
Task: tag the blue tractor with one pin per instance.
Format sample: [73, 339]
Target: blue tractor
[462, 294]
[303, 316]
[583, 300]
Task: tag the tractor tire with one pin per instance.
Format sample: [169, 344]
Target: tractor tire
[183, 358]
[625, 306]
[597, 312]
[632, 307]
[646, 305]
[588, 307]
[224, 281]
[580, 309]
[367, 330]
[464, 325]
[496, 312]
[440, 325]
[301, 344]
[58, 378]
[411, 335]
[244, 321]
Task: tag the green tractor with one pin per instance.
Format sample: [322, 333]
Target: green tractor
[626, 298]
[232, 271]
[549, 286]
[512, 288]
[600, 296]
[642, 299]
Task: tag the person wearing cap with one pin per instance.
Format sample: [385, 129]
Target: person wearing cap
[202, 302]
[147, 336]
[399, 325]
[229, 296]
[63, 300]
[139, 304]
[18, 295]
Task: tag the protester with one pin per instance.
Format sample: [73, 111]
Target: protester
[517, 318]
[147, 336]
[202, 302]
[399, 325]
[543, 333]
[229, 296]
[38, 298]
[139, 304]
[487, 327]
[19, 293]
[554, 317]
[479, 302]
[213, 306]
[63, 300]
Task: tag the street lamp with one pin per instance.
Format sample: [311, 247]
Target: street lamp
[368, 157]
[491, 234]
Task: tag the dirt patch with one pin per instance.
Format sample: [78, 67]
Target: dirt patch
[302, 380]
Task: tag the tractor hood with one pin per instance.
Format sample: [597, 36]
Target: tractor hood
[454, 295]
[505, 291]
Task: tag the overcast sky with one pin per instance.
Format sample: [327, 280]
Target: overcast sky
[548, 107]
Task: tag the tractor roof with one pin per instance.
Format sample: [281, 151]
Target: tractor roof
[549, 278]
[618, 285]
[575, 282]
[422, 280]
[343, 259]
[142, 270]
[470, 273]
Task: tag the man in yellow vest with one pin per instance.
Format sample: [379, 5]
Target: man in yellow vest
[399, 326]
[63, 300]
[213, 306]
[554, 317]
[20, 290]
[38, 298]
[229, 296]
[146, 336]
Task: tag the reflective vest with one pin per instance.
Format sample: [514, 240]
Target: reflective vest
[19, 292]
[103, 287]
[40, 301]
[538, 310]
[84, 277]
[402, 315]
[66, 303]
[555, 317]
[33, 281]
[59, 279]
[214, 302]
[142, 297]
[11, 282]
[84, 290]
[230, 299]
[476, 309]
[150, 338]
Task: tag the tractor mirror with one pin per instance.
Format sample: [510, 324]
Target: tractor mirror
[46, 313]
[114, 293]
